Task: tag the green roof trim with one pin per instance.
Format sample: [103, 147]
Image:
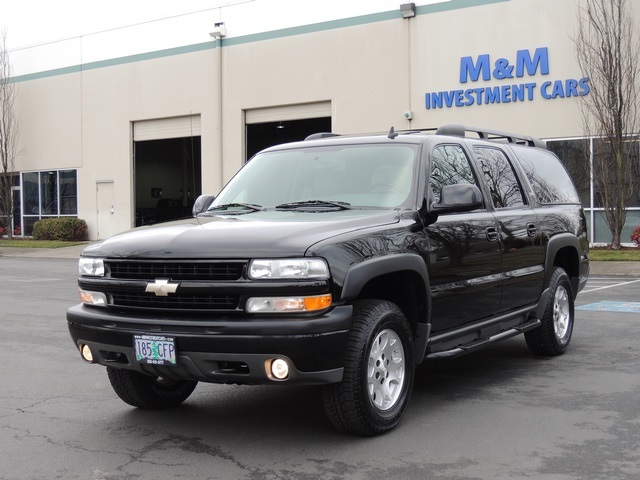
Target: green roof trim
[258, 37]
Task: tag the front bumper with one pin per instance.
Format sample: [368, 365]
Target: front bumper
[229, 350]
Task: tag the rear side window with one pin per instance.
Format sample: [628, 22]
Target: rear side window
[548, 178]
[500, 178]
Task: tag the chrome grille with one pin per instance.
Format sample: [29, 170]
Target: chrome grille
[176, 271]
[127, 292]
[175, 302]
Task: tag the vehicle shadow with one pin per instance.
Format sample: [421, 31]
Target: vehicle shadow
[294, 413]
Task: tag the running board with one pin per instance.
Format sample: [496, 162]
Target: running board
[464, 349]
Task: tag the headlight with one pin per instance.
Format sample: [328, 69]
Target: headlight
[289, 268]
[93, 267]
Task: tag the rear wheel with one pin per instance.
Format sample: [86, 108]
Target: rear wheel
[379, 371]
[144, 391]
[553, 335]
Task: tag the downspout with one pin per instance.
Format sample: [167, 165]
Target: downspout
[408, 11]
[218, 33]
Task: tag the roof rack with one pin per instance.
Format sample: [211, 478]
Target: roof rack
[319, 135]
[459, 130]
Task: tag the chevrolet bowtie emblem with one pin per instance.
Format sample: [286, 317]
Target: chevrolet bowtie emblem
[162, 288]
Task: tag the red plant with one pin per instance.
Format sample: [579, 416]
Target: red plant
[635, 237]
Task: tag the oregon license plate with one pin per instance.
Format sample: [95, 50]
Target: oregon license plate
[155, 350]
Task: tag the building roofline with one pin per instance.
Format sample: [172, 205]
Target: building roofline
[256, 37]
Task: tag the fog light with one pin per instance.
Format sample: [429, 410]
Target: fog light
[85, 351]
[279, 369]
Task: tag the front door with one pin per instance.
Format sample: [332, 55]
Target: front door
[464, 250]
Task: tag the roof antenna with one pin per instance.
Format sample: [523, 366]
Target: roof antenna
[392, 134]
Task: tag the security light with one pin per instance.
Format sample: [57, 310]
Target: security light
[408, 10]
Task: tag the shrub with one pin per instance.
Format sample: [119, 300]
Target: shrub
[635, 237]
[64, 228]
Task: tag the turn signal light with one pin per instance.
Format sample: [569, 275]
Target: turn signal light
[288, 304]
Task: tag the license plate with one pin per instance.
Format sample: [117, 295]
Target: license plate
[155, 350]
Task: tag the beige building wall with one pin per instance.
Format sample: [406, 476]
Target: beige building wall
[85, 120]
[439, 41]
[370, 71]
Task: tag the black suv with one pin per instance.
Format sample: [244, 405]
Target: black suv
[343, 261]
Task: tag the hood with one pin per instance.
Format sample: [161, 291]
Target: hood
[258, 234]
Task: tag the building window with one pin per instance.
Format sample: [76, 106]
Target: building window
[9, 219]
[47, 194]
[576, 155]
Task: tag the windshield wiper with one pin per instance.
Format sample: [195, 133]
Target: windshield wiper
[235, 208]
[314, 205]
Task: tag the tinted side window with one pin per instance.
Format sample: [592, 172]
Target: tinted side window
[548, 178]
[500, 177]
[449, 166]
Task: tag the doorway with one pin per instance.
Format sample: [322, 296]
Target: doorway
[262, 135]
[168, 178]
[105, 201]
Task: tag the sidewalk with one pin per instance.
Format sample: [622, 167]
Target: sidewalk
[64, 252]
[597, 268]
[615, 268]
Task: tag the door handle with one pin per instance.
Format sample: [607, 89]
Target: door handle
[492, 234]
[532, 231]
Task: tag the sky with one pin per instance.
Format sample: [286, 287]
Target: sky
[33, 22]
[47, 34]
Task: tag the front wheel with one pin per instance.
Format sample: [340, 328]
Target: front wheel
[144, 391]
[553, 335]
[378, 372]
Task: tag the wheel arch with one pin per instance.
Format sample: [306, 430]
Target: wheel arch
[401, 279]
[563, 251]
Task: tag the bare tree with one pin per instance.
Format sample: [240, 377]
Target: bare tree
[608, 51]
[8, 135]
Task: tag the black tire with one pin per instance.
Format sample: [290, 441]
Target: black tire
[379, 352]
[144, 391]
[552, 337]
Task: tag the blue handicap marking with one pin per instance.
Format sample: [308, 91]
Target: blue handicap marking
[607, 306]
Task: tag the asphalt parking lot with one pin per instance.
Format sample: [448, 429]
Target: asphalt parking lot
[498, 414]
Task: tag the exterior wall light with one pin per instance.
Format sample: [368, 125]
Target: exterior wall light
[408, 10]
[219, 30]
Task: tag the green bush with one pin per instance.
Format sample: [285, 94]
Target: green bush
[64, 228]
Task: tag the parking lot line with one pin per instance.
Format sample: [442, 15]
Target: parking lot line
[619, 284]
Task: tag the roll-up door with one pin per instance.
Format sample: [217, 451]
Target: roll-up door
[162, 128]
[284, 113]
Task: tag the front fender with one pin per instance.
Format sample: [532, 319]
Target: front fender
[368, 270]
[359, 274]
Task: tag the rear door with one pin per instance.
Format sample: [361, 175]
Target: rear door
[520, 239]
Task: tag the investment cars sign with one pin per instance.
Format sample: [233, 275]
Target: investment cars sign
[518, 81]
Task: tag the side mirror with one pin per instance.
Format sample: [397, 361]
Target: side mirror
[458, 198]
[202, 203]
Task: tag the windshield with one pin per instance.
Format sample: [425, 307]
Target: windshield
[342, 176]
